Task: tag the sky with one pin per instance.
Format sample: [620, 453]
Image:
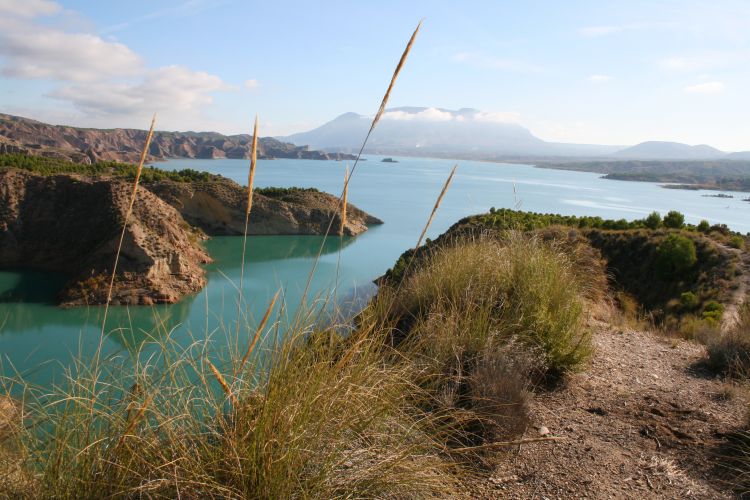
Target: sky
[614, 72]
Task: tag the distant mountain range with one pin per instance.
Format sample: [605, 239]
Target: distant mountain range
[470, 133]
[88, 145]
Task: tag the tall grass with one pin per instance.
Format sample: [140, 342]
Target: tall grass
[481, 292]
[429, 371]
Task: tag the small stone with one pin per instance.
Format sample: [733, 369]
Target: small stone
[543, 431]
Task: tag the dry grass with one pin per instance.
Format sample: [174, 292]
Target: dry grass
[344, 198]
[729, 352]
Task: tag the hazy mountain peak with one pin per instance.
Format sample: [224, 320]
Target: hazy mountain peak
[657, 150]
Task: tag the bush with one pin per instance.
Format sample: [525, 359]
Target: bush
[737, 241]
[653, 221]
[486, 292]
[675, 255]
[674, 220]
[703, 226]
[689, 300]
[712, 312]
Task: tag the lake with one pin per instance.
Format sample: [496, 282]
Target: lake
[38, 339]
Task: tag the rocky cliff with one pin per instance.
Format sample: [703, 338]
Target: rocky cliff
[218, 208]
[86, 145]
[71, 223]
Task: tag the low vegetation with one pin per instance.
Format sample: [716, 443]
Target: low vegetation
[434, 368]
[676, 273]
[53, 166]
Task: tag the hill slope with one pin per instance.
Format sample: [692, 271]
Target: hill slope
[86, 145]
[659, 150]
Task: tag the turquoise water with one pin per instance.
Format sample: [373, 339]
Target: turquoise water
[37, 338]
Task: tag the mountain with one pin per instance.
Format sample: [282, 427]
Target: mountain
[658, 150]
[418, 130]
[88, 145]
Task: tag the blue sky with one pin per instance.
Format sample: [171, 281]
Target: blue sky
[570, 71]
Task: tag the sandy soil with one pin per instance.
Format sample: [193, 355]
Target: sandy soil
[643, 420]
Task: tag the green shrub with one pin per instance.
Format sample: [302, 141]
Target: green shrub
[675, 255]
[653, 221]
[469, 295]
[712, 312]
[737, 241]
[689, 300]
[703, 226]
[674, 220]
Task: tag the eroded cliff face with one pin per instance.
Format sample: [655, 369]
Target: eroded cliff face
[71, 223]
[88, 145]
[218, 208]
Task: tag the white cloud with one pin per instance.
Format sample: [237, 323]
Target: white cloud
[170, 89]
[35, 51]
[439, 115]
[595, 31]
[705, 88]
[483, 61]
[100, 78]
[706, 60]
[599, 78]
[252, 84]
[497, 117]
[28, 8]
[429, 114]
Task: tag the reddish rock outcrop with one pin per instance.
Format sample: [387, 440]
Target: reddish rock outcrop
[71, 223]
[87, 145]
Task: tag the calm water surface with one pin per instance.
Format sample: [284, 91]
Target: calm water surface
[37, 338]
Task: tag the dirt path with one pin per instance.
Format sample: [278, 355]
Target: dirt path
[642, 421]
[731, 315]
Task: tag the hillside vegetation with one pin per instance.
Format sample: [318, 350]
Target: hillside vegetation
[671, 271]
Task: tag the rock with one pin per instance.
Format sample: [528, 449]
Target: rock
[218, 208]
[84, 145]
[71, 223]
[543, 431]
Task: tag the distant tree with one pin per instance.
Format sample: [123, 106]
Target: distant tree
[674, 220]
[675, 255]
[703, 226]
[653, 221]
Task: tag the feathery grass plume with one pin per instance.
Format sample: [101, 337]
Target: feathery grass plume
[437, 205]
[400, 65]
[343, 201]
[222, 382]
[250, 182]
[374, 123]
[138, 416]
[149, 136]
[258, 332]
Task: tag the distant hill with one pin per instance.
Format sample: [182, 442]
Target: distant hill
[88, 145]
[658, 150]
[418, 130]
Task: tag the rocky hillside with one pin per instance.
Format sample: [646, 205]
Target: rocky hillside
[218, 207]
[85, 145]
[70, 222]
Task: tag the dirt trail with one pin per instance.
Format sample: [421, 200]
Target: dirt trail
[731, 315]
[642, 421]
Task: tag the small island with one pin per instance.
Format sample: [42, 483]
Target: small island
[720, 195]
[389, 160]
